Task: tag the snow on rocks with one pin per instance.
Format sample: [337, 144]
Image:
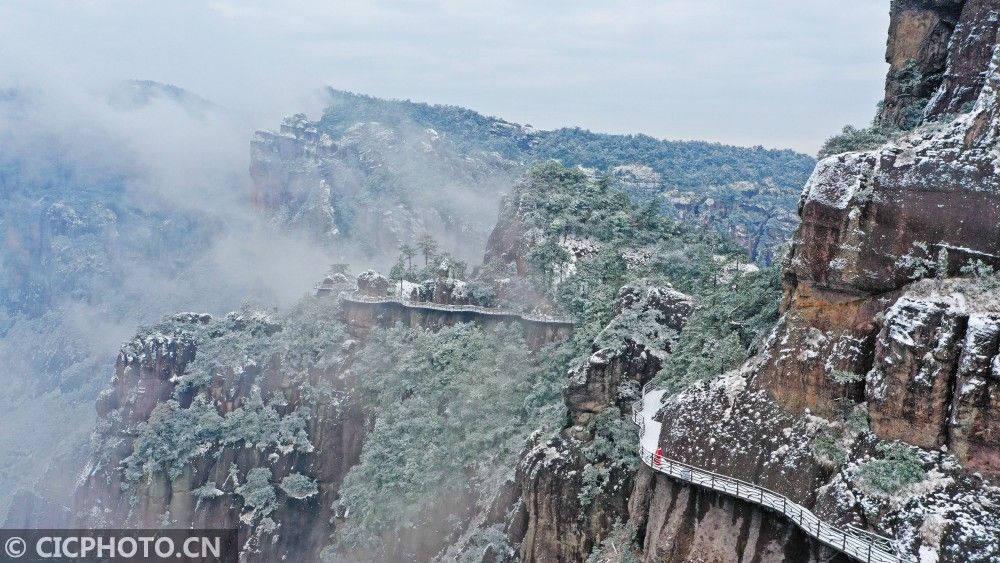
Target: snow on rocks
[373, 284]
[728, 427]
[837, 180]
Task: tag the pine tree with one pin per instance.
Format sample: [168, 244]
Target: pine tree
[428, 246]
[398, 274]
[408, 252]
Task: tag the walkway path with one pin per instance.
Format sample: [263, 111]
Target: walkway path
[853, 542]
[489, 311]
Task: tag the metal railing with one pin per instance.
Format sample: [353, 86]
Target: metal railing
[491, 311]
[853, 542]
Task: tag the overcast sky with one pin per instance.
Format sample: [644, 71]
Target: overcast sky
[781, 73]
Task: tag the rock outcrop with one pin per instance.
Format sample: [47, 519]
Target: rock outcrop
[917, 51]
[252, 448]
[653, 315]
[551, 522]
[937, 51]
[934, 382]
[873, 402]
[508, 244]
[373, 284]
[147, 367]
[571, 494]
[873, 222]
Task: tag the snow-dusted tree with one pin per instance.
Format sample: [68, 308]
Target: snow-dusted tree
[454, 408]
[298, 486]
[257, 492]
[428, 247]
[408, 252]
[398, 273]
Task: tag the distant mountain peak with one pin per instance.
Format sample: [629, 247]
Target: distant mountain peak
[137, 94]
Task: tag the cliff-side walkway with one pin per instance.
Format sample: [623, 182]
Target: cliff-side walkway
[364, 312]
[853, 542]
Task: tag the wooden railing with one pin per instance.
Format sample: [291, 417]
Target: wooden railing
[853, 542]
[490, 311]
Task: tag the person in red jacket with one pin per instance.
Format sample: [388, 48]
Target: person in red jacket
[658, 457]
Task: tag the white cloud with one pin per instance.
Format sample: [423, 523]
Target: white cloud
[774, 72]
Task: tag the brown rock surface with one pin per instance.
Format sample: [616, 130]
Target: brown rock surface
[686, 523]
[872, 222]
[595, 385]
[917, 51]
[552, 525]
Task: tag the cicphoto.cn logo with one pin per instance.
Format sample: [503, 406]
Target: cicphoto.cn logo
[120, 545]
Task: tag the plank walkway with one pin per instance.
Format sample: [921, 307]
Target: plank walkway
[853, 542]
[489, 311]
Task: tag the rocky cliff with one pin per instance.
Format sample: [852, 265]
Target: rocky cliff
[574, 488]
[228, 423]
[861, 333]
[374, 186]
[937, 50]
[926, 205]
[873, 399]
[685, 523]
[917, 52]
[258, 420]
[376, 173]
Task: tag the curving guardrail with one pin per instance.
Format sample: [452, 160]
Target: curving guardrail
[853, 542]
[491, 311]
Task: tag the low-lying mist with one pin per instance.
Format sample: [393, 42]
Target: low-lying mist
[112, 216]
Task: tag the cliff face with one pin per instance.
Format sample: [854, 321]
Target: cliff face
[934, 382]
[572, 490]
[550, 521]
[873, 222]
[596, 384]
[234, 441]
[937, 50]
[684, 523]
[375, 185]
[873, 402]
[917, 52]
[507, 246]
[861, 327]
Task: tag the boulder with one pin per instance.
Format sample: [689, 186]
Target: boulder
[373, 284]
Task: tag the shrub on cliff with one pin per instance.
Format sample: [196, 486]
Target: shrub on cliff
[298, 486]
[258, 492]
[853, 139]
[621, 546]
[898, 468]
[611, 452]
[454, 410]
[729, 320]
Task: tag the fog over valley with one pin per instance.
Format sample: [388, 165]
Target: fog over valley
[573, 281]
